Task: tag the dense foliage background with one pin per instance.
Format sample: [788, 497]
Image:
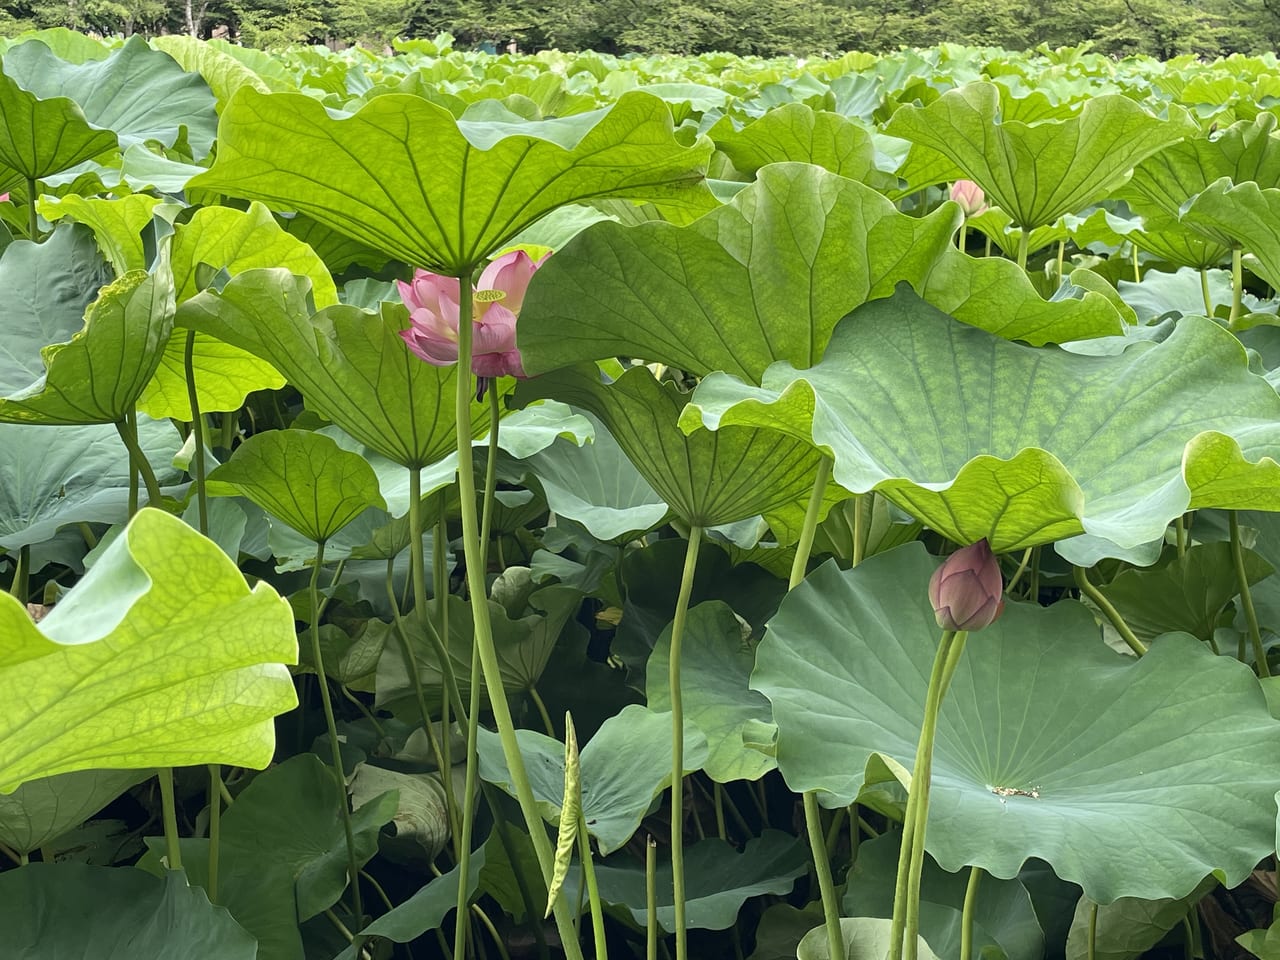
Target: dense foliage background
[761, 27]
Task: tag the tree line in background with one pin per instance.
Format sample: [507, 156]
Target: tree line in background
[1161, 28]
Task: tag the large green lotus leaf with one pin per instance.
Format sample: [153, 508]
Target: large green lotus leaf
[484, 182]
[978, 437]
[223, 73]
[1036, 172]
[117, 223]
[283, 852]
[48, 286]
[51, 476]
[1137, 781]
[795, 132]
[709, 477]
[1178, 244]
[597, 486]
[524, 645]
[1186, 594]
[302, 478]
[138, 93]
[42, 810]
[98, 373]
[71, 45]
[715, 668]
[865, 938]
[767, 277]
[232, 240]
[1245, 151]
[1248, 215]
[718, 880]
[1004, 918]
[626, 764]
[41, 137]
[135, 668]
[350, 366]
[73, 911]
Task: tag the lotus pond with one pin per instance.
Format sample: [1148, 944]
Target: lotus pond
[667, 507]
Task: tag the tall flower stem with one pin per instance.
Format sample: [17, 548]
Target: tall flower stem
[1024, 242]
[1246, 598]
[1102, 603]
[812, 814]
[593, 889]
[1204, 292]
[173, 847]
[966, 917]
[907, 886]
[473, 707]
[472, 551]
[677, 739]
[33, 219]
[317, 654]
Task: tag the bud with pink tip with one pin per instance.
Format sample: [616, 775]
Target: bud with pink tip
[970, 197]
[967, 591]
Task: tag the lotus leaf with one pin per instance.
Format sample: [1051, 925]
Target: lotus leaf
[1137, 782]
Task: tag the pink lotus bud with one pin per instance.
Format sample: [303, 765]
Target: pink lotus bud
[967, 591]
[970, 197]
[434, 314]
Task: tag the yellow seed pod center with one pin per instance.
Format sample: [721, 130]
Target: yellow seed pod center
[490, 296]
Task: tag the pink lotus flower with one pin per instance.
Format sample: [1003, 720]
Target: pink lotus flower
[970, 197]
[967, 591]
[434, 314]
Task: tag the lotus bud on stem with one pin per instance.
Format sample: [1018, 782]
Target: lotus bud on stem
[966, 593]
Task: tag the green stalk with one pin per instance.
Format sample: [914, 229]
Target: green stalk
[215, 829]
[907, 884]
[677, 738]
[473, 707]
[33, 219]
[1017, 574]
[543, 714]
[812, 813]
[1237, 286]
[1133, 256]
[1112, 614]
[353, 866]
[923, 773]
[169, 809]
[197, 432]
[483, 628]
[593, 891]
[1180, 531]
[966, 917]
[1062, 254]
[964, 229]
[1092, 948]
[1246, 598]
[128, 430]
[651, 899]
[1204, 292]
[717, 801]
[1024, 242]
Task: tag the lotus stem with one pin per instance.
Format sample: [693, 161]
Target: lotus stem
[1180, 532]
[335, 746]
[960, 240]
[904, 932]
[1237, 286]
[922, 780]
[490, 473]
[1024, 242]
[966, 917]
[1062, 255]
[542, 711]
[812, 813]
[1092, 947]
[128, 430]
[651, 898]
[677, 738]
[1109, 610]
[1246, 598]
[483, 641]
[1017, 574]
[1133, 257]
[492, 930]
[215, 829]
[1204, 292]
[197, 432]
[593, 891]
[21, 566]
[33, 218]
[169, 813]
